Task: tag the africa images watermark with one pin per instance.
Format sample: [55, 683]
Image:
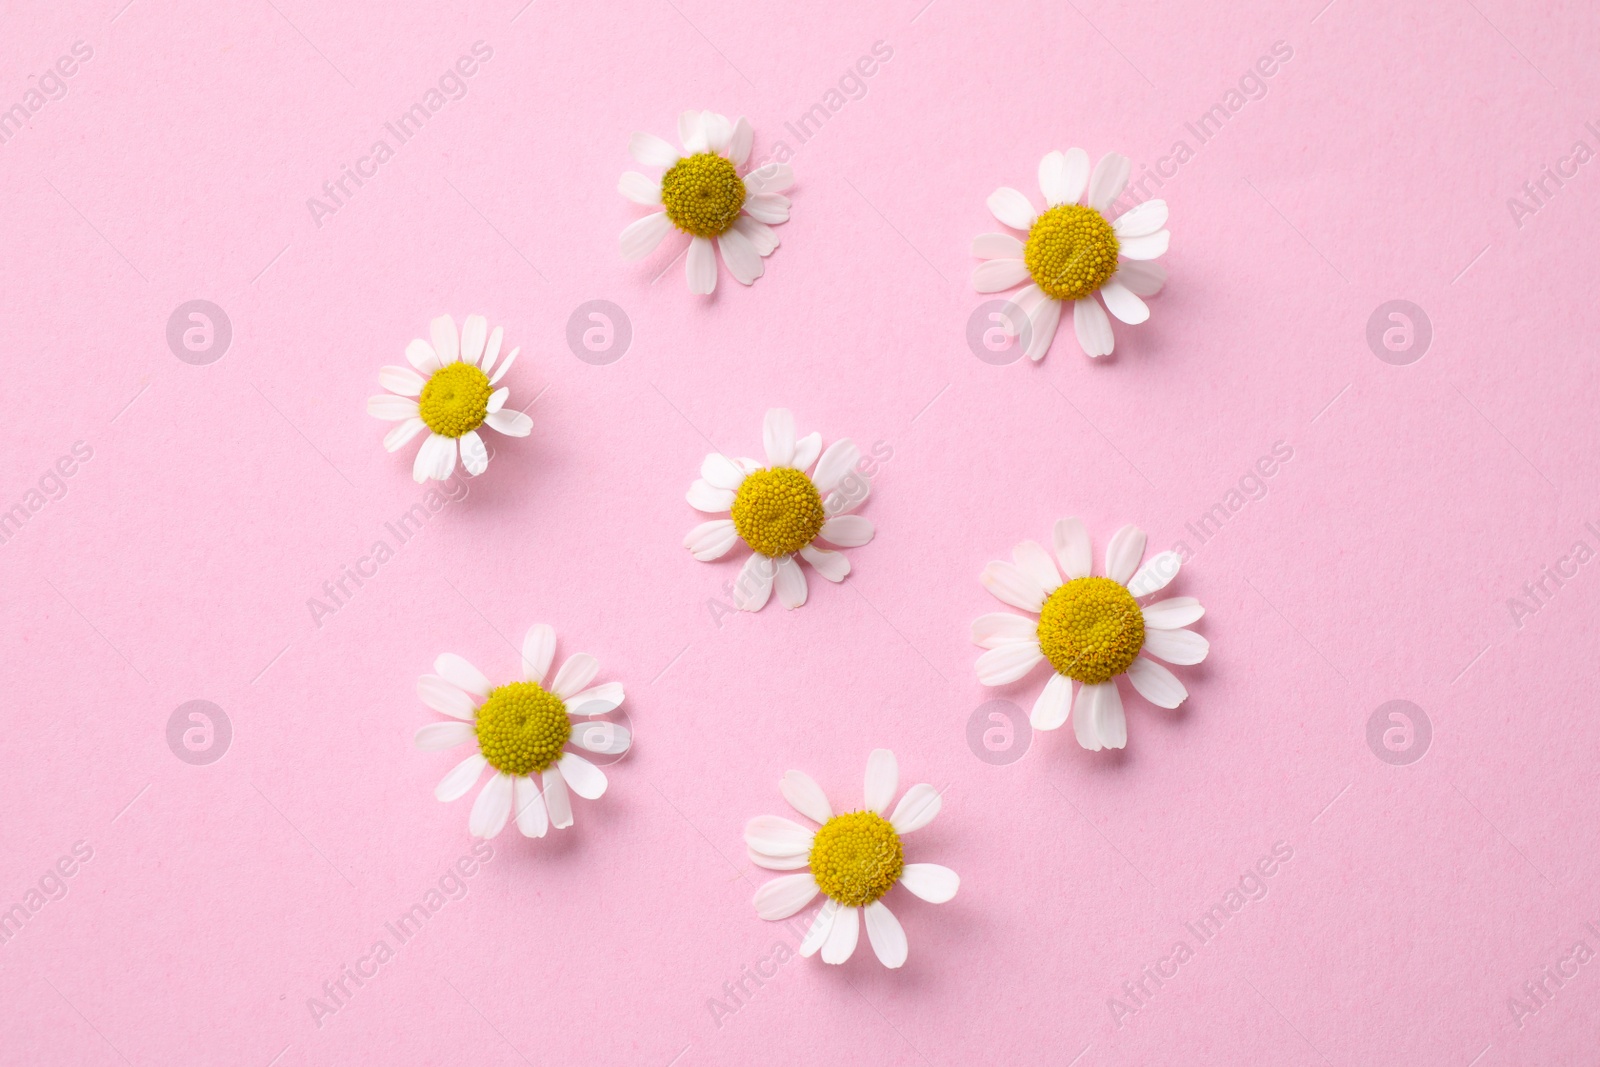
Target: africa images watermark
[1538, 593]
[1543, 987]
[52, 885]
[1552, 178]
[1251, 487]
[852, 85]
[51, 487]
[47, 87]
[763, 970]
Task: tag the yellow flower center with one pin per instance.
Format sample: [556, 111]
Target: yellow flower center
[856, 858]
[521, 728]
[702, 194]
[455, 400]
[777, 511]
[1091, 629]
[1071, 251]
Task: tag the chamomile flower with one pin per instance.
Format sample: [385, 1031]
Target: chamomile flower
[701, 194]
[450, 394]
[853, 858]
[520, 731]
[1073, 252]
[780, 512]
[1091, 630]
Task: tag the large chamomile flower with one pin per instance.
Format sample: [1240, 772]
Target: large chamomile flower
[702, 195]
[854, 859]
[520, 730]
[1091, 629]
[780, 512]
[1073, 252]
[450, 394]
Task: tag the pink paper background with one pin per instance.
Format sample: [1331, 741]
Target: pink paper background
[1378, 566]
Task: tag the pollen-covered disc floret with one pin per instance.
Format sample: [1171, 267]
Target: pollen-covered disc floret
[1071, 251]
[1091, 629]
[778, 511]
[702, 194]
[455, 400]
[521, 728]
[856, 858]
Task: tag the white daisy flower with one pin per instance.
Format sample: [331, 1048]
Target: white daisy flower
[1073, 252]
[450, 394]
[520, 730]
[702, 195]
[780, 512]
[854, 859]
[1091, 630]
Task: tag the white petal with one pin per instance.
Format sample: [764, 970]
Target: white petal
[1092, 326]
[463, 675]
[1110, 177]
[763, 238]
[492, 808]
[778, 863]
[1098, 719]
[773, 835]
[652, 151]
[1142, 279]
[996, 246]
[397, 437]
[1011, 208]
[711, 540]
[1006, 663]
[1182, 647]
[422, 356]
[642, 236]
[446, 341]
[767, 207]
[790, 583]
[498, 398]
[402, 380]
[1122, 303]
[782, 897]
[1155, 574]
[528, 806]
[1012, 585]
[997, 275]
[445, 698]
[1142, 220]
[438, 736]
[1031, 557]
[538, 649]
[702, 266]
[740, 140]
[820, 928]
[586, 780]
[721, 472]
[916, 809]
[1043, 319]
[831, 565]
[718, 131]
[806, 796]
[1074, 175]
[1084, 727]
[743, 261]
[1172, 614]
[474, 454]
[473, 333]
[883, 779]
[501, 373]
[491, 350]
[847, 531]
[1052, 178]
[1002, 628]
[930, 881]
[754, 585]
[703, 496]
[435, 459]
[884, 932]
[1050, 711]
[597, 700]
[691, 132]
[806, 450]
[556, 798]
[575, 675]
[510, 423]
[839, 460]
[390, 407]
[1140, 248]
[771, 178]
[842, 938]
[777, 434]
[1072, 548]
[462, 777]
[601, 737]
[639, 189]
[1155, 683]
[1123, 553]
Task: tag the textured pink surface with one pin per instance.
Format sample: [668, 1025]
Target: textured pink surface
[176, 562]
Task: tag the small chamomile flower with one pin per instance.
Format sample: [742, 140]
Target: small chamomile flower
[780, 512]
[1091, 629]
[520, 731]
[1073, 252]
[854, 858]
[450, 394]
[700, 193]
